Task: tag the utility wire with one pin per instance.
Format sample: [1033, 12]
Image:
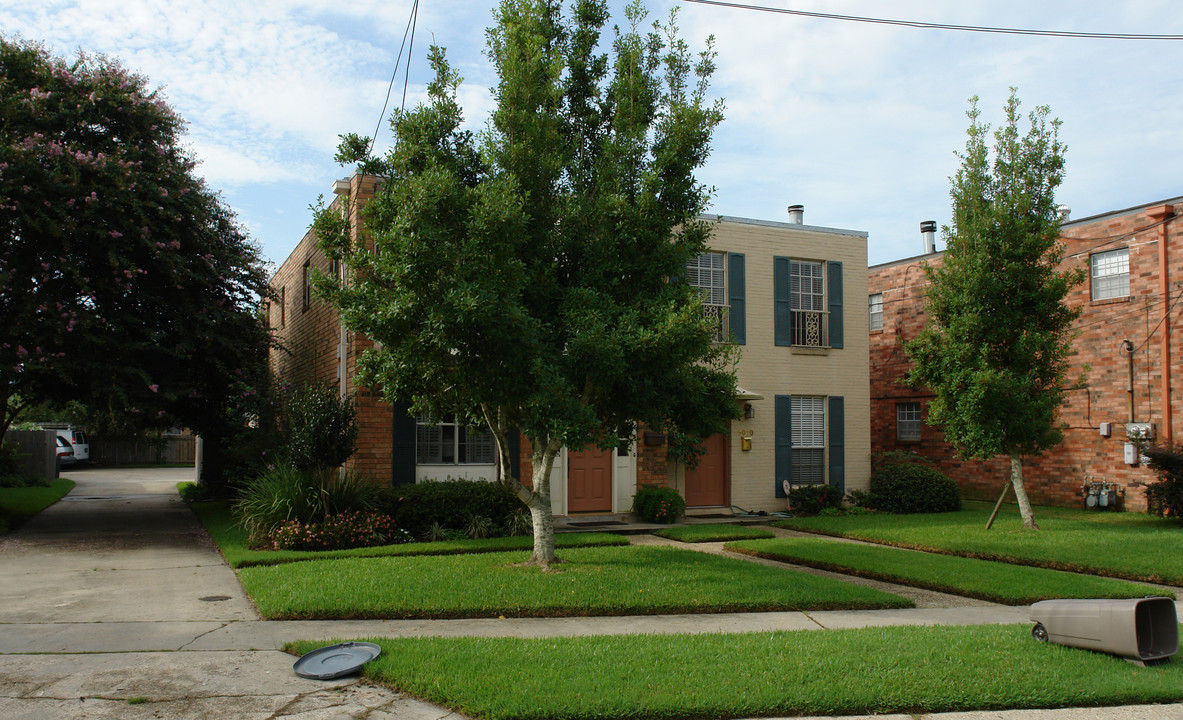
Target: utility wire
[943, 26]
[412, 21]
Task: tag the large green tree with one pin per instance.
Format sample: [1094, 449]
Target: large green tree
[125, 283]
[523, 281]
[995, 350]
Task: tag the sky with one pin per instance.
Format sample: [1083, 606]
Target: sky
[858, 122]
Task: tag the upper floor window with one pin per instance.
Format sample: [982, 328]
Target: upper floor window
[907, 421]
[875, 302]
[283, 306]
[1110, 274]
[449, 443]
[808, 302]
[706, 272]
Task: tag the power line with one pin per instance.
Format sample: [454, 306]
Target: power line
[412, 21]
[943, 26]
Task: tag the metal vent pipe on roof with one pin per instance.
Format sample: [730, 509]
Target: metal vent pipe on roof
[797, 214]
[928, 231]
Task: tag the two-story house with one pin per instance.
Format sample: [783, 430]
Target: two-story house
[1126, 354]
[789, 294]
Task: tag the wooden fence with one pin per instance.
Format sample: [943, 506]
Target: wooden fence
[167, 450]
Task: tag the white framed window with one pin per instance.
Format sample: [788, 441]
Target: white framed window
[706, 273]
[809, 439]
[450, 443]
[907, 421]
[807, 299]
[1110, 274]
[875, 305]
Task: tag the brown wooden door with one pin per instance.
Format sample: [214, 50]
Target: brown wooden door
[589, 481]
[706, 484]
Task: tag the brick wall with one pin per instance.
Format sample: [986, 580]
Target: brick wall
[1056, 477]
[310, 337]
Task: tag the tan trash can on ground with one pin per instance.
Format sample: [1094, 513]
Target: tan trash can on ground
[1144, 631]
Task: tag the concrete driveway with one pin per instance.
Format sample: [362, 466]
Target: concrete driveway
[121, 564]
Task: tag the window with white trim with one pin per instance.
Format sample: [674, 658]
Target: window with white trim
[706, 272]
[809, 439]
[450, 443]
[875, 304]
[807, 299]
[1110, 274]
[907, 421]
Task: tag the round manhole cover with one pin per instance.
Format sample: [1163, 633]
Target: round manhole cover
[215, 598]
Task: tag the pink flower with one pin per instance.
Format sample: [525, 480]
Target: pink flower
[153, 387]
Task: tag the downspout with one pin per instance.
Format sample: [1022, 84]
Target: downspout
[1164, 214]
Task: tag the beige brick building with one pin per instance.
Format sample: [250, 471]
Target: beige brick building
[791, 295]
[1133, 259]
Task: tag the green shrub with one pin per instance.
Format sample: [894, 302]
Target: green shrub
[284, 494]
[11, 469]
[340, 532]
[320, 427]
[658, 504]
[907, 487]
[450, 504]
[1165, 496]
[519, 522]
[812, 499]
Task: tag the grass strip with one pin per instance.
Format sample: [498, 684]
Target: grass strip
[231, 538]
[1124, 545]
[17, 505]
[713, 533]
[637, 580]
[984, 579]
[832, 672]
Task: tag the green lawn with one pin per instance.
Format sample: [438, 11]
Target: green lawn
[984, 579]
[230, 537]
[1125, 545]
[713, 533]
[833, 672]
[19, 504]
[593, 581]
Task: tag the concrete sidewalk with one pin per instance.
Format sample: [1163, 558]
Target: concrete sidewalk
[116, 594]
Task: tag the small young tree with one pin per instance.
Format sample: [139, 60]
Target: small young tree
[525, 283]
[995, 351]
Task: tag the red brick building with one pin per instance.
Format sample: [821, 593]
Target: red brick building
[788, 294]
[1128, 328]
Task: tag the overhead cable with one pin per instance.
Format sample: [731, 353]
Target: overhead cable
[943, 26]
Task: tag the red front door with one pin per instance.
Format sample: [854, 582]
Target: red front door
[589, 481]
[706, 484]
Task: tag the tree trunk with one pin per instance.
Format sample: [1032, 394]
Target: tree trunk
[537, 499]
[1016, 479]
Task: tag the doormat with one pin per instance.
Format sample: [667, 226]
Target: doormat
[597, 523]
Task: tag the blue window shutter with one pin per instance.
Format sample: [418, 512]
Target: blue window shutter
[783, 410]
[838, 442]
[782, 307]
[834, 280]
[737, 321]
[402, 462]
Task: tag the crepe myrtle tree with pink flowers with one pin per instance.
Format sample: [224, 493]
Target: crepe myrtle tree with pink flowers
[125, 283]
